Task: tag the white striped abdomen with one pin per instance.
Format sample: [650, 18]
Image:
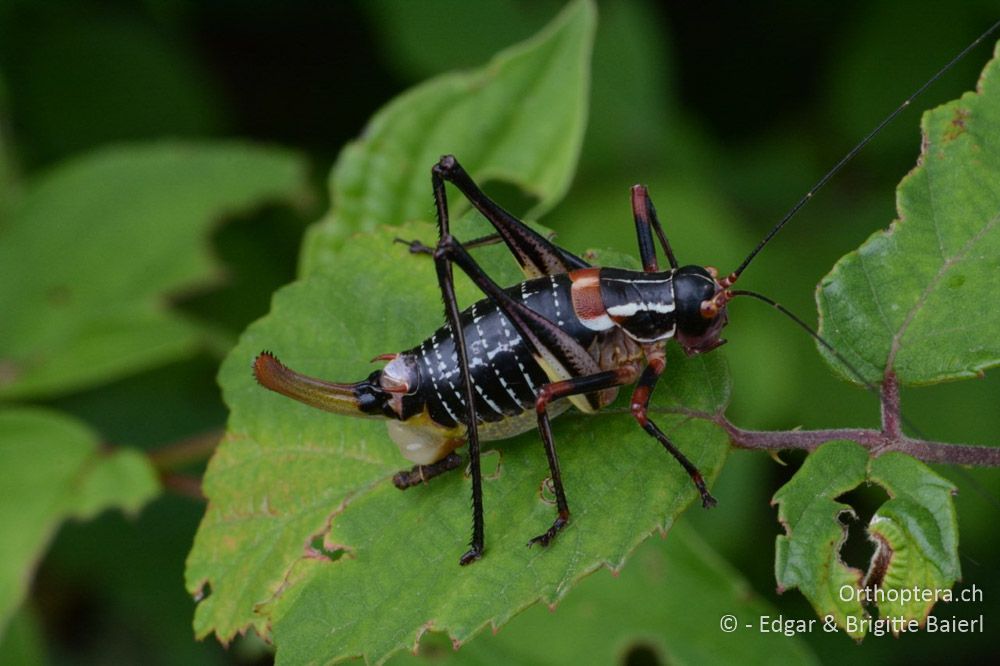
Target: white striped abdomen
[505, 377]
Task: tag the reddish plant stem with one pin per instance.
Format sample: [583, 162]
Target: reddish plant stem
[175, 455]
[890, 438]
[184, 485]
[890, 406]
[875, 441]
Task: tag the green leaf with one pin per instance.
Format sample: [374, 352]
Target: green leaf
[94, 248]
[915, 533]
[293, 487]
[54, 469]
[669, 600]
[914, 299]
[807, 556]
[519, 119]
[22, 642]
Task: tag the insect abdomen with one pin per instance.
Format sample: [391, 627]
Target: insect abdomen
[505, 377]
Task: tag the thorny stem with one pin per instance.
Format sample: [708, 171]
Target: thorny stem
[889, 438]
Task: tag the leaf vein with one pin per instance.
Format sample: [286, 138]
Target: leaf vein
[896, 344]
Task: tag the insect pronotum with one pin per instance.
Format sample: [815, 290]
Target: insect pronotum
[570, 333]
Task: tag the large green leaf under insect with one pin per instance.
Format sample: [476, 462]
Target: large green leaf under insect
[305, 533]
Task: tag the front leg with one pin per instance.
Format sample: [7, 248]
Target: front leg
[640, 405]
[646, 222]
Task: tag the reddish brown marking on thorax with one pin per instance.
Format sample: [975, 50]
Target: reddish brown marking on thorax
[586, 293]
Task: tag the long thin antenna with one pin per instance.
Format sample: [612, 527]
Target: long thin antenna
[854, 151]
[809, 329]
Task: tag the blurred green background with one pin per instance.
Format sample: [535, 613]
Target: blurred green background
[728, 112]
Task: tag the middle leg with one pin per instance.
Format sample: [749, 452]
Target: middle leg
[589, 384]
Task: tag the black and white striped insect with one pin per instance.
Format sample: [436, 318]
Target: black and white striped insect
[569, 334]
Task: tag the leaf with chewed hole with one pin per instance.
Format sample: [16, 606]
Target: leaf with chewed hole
[54, 467]
[917, 298]
[915, 535]
[287, 473]
[519, 119]
[92, 251]
[807, 556]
